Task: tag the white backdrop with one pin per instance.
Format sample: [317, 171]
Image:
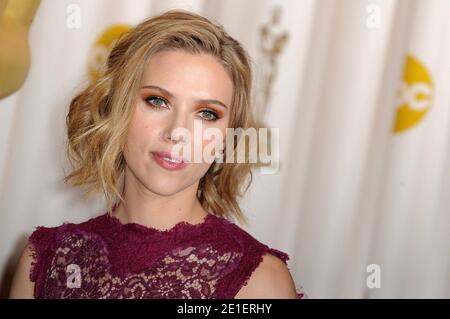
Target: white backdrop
[350, 192]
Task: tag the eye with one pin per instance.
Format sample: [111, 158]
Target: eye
[150, 100]
[209, 115]
[158, 102]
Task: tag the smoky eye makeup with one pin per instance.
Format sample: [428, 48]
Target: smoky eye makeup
[155, 101]
[205, 113]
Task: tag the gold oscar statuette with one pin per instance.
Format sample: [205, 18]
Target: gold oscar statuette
[15, 20]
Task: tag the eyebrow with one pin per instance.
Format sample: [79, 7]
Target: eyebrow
[171, 95]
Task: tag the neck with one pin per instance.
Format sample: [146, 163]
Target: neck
[158, 211]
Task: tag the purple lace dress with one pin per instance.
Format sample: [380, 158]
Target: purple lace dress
[103, 258]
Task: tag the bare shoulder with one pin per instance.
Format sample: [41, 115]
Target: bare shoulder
[22, 286]
[271, 279]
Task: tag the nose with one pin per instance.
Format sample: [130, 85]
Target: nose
[176, 130]
[174, 138]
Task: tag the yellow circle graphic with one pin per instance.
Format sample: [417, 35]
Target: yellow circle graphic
[416, 95]
[102, 47]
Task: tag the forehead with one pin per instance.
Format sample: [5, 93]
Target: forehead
[189, 75]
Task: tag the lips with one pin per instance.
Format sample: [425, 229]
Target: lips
[169, 161]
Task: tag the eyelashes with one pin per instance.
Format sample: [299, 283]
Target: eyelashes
[208, 114]
[151, 98]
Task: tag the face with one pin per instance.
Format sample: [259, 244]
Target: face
[181, 96]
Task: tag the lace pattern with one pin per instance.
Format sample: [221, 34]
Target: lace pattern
[188, 272]
[102, 258]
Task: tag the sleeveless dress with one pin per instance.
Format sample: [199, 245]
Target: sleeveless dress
[104, 258]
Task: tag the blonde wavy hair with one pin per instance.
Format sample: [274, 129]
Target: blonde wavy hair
[99, 115]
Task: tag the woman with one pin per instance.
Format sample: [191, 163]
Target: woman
[167, 234]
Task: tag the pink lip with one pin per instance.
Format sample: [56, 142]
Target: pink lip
[159, 158]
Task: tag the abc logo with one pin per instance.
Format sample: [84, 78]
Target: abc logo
[415, 96]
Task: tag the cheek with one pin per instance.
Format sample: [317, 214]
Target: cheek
[199, 170]
[213, 140]
[140, 134]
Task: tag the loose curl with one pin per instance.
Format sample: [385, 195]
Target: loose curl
[99, 115]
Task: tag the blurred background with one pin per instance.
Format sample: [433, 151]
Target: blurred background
[360, 93]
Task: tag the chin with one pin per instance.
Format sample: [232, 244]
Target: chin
[164, 186]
